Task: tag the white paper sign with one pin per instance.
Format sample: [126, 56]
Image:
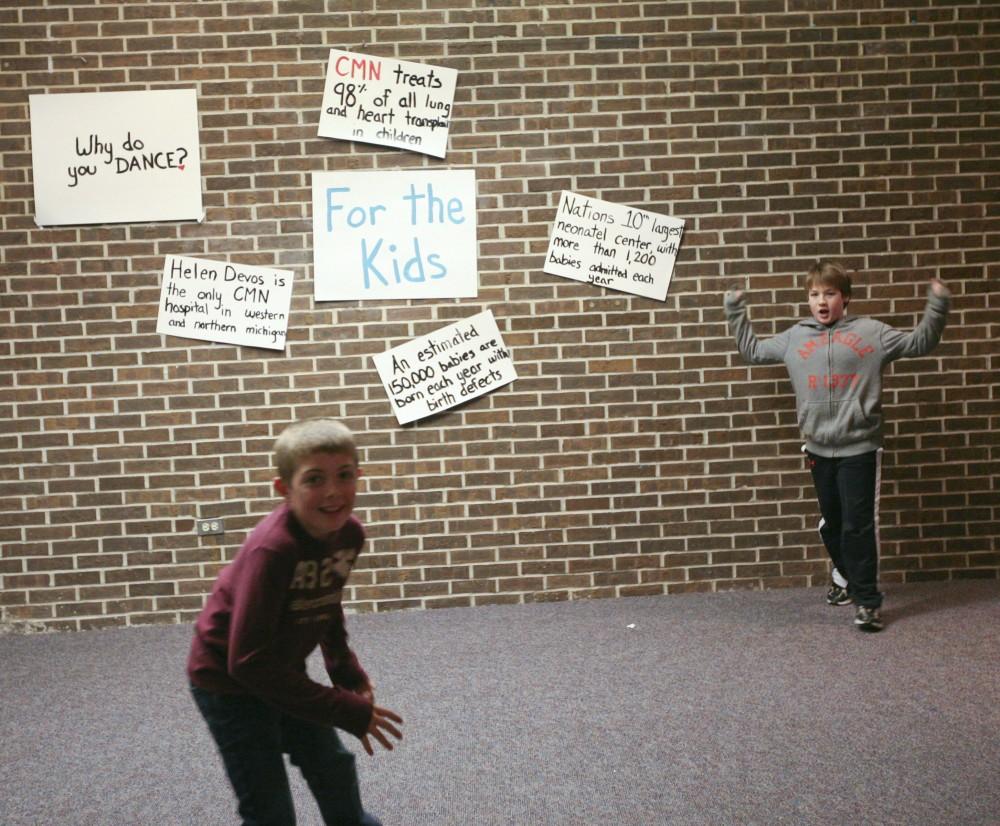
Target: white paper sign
[448, 367]
[614, 246]
[115, 157]
[406, 234]
[226, 303]
[387, 102]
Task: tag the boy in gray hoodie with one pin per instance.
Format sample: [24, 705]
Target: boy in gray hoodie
[835, 363]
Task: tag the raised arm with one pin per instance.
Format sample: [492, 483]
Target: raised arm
[769, 351]
[926, 335]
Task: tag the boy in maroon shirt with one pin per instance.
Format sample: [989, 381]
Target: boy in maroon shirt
[269, 609]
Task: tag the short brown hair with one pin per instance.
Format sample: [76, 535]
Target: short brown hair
[826, 273]
[300, 439]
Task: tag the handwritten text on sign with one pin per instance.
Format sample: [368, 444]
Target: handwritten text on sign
[227, 303]
[614, 246]
[406, 234]
[387, 102]
[452, 365]
[115, 157]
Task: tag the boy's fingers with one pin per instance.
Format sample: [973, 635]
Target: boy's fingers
[381, 721]
[386, 744]
[384, 712]
[389, 727]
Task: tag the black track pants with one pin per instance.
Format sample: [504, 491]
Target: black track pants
[847, 489]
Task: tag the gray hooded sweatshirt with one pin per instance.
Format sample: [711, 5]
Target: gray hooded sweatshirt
[836, 370]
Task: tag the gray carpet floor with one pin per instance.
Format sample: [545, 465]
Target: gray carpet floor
[733, 708]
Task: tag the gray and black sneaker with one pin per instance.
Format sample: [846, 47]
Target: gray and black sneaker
[837, 595]
[868, 619]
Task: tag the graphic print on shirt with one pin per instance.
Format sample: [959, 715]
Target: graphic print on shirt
[834, 381]
[318, 584]
[852, 341]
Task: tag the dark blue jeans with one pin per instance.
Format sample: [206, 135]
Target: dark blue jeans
[253, 737]
[847, 489]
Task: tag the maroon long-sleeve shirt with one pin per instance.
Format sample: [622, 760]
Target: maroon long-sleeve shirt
[269, 609]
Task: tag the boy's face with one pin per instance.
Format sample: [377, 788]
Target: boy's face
[826, 304]
[321, 492]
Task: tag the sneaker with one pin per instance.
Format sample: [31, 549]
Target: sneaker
[837, 595]
[868, 619]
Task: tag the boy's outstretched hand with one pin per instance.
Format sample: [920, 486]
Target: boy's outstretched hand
[382, 723]
[734, 293]
[938, 287]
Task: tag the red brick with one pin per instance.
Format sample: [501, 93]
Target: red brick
[636, 453]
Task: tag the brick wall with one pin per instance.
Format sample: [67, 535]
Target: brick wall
[636, 453]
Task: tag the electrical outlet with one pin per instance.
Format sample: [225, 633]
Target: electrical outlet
[208, 527]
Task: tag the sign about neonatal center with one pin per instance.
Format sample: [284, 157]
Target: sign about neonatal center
[611, 245]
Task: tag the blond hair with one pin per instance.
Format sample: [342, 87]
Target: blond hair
[300, 439]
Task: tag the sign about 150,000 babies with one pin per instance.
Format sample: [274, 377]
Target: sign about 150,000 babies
[452, 365]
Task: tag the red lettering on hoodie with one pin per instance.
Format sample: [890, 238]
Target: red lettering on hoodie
[833, 380]
[854, 342]
[811, 347]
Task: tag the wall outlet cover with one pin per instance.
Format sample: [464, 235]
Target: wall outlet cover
[208, 527]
